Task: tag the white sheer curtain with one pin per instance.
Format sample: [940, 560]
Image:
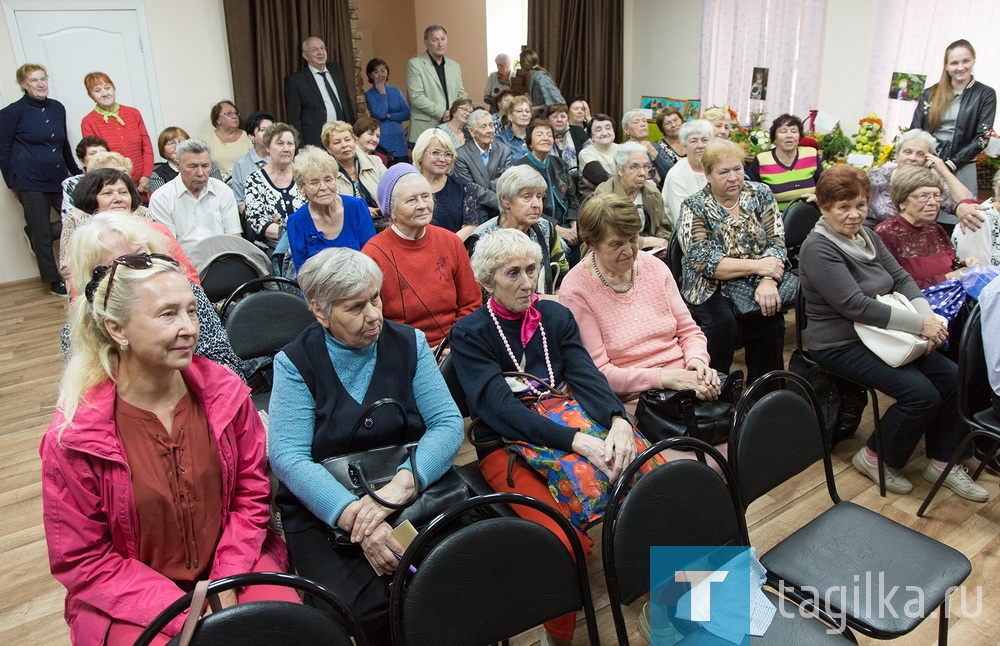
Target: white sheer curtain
[912, 37]
[784, 36]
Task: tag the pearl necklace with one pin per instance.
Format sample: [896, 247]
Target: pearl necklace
[631, 279]
[510, 352]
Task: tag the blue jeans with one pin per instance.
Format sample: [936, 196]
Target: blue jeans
[925, 393]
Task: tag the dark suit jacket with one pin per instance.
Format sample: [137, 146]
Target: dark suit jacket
[469, 165]
[304, 103]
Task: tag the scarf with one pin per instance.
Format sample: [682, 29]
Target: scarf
[530, 318]
[558, 205]
[110, 114]
[861, 248]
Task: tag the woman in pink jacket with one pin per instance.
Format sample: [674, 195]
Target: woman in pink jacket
[154, 467]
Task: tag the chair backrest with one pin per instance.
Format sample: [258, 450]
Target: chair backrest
[799, 219]
[675, 256]
[278, 623]
[447, 366]
[257, 284]
[225, 273]
[800, 318]
[266, 321]
[681, 503]
[777, 433]
[973, 380]
[490, 580]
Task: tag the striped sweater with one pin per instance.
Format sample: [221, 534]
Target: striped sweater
[787, 182]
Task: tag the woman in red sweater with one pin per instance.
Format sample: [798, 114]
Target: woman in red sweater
[119, 125]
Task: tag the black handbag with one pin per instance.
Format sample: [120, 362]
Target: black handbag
[740, 292]
[364, 471]
[669, 413]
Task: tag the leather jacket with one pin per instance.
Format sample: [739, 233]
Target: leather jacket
[973, 126]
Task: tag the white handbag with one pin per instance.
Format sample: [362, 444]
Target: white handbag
[895, 347]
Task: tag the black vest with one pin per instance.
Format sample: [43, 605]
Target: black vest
[337, 412]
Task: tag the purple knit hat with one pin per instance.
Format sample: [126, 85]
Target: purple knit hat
[388, 182]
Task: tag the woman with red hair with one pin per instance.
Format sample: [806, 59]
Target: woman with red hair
[119, 125]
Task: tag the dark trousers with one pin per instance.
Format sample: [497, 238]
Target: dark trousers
[42, 231]
[925, 393]
[763, 336]
[349, 574]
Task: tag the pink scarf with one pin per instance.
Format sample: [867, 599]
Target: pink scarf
[530, 318]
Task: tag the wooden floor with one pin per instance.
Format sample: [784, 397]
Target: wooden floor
[31, 600]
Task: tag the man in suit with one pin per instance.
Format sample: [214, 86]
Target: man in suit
[482, 163]
[317, 93]
[433, 83]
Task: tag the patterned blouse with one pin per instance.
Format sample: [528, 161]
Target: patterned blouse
[708, 234]
[456, 205]
[266, 203]
[880, 206]
[993, 225]
[668, 150]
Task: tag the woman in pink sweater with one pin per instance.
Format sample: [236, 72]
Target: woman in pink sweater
[632, 318]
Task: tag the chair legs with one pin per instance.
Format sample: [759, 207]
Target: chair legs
[959, 451]
[991, 454]
[877, 419]
[943, 623]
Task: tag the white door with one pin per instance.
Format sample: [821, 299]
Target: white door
[71, 43]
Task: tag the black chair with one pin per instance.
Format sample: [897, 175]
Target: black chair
[225, 273]
[801, 320]
[974, 406]
[799, 219]
[675, 255]
[777, 434]
[490, 580]
[277, 623]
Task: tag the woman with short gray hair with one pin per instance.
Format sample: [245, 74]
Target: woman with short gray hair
[632, 182]
[323, 382]
[687, 177]
[497, 82]
[636, 129]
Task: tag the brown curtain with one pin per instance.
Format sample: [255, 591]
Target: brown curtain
[265, 45]
[580, 43]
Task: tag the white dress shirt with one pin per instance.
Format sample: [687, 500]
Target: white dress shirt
[192, 219]
[331, 111]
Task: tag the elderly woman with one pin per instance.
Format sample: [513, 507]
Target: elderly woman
[497, 82]
[104, 237]
[35, 157]
[456, 204]
[368, 134]
[597, 161]
[430, 282]
[561, 202]
[731, 230]
[455, 126]
[96, 159]
[687, 177]
[228, 141]
[84, 149]
[359, 173]
[520, 193]
[119, 125]
[579, 112]
[914, 238]
[516, 331]
[386, 103]
[541, 88]
[328, 219]
[669, 121]
[514, 135]
[271, 194]
[631, 183]
[843, 269]
[141, 418]
[789, 169]
[913, 150]
[166, 171]
[721, 119]
[323, 381]
[636, 129]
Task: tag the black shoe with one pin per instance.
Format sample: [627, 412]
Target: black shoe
[58, 288]
[27, 238]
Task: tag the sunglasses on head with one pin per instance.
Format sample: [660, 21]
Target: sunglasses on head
[132, 261]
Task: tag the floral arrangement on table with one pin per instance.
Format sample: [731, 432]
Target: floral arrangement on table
[753, 137]
[836, 146]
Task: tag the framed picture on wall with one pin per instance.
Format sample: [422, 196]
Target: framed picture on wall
[758, 88]
[692, 109]
[653, 103]
[906, 87]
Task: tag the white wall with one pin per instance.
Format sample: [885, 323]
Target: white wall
[662, 50]
[847, 46]
[191, 59]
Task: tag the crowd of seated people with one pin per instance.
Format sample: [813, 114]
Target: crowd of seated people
[528, 235]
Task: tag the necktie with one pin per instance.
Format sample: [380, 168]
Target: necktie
[333, 96]
[486, 159]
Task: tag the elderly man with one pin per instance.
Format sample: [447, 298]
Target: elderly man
[317, 93]
[193, 205]
[497, 82]
[256, 157]
[632, 182]
[636, 128]
[433, 83]
[482, 163]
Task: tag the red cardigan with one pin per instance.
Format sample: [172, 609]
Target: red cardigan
[130, 140]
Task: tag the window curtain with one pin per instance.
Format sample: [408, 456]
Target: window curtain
[580, 43]
[265, 45]
[913, 39]
[784, 36]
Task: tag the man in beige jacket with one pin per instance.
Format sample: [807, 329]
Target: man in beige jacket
[433, 83]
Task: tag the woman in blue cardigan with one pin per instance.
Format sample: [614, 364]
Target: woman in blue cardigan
[386, 103]
[35, 157]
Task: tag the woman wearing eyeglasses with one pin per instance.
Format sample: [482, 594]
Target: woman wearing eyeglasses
[228, 142]
[514, 135]
[327, 219]
[456, 126]
[632, 182]
[154, 469]
[456, 204]
[358, 173]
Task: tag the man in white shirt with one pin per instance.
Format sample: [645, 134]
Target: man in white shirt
[193, 205]
[255, 125]
[317, 93]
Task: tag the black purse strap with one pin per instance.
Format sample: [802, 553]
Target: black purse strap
[357, 468]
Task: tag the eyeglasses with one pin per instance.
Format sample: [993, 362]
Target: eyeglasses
[231, 113]
[439, 154]
[522, 111]
[635, 168]
[924, 198]
[132, 261]
[329, 180]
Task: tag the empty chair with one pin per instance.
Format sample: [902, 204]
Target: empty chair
[799, 219]
[226, 262]
[776, 435]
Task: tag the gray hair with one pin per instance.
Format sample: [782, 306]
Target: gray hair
[696, 127]
[919, 135]
[499, 247]
[477, 115]
[625, 151]
[335, 274]
[502, 58]
[432, 28]
[628, 117]
[312, 163]
[193, 146]
[514, 180]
